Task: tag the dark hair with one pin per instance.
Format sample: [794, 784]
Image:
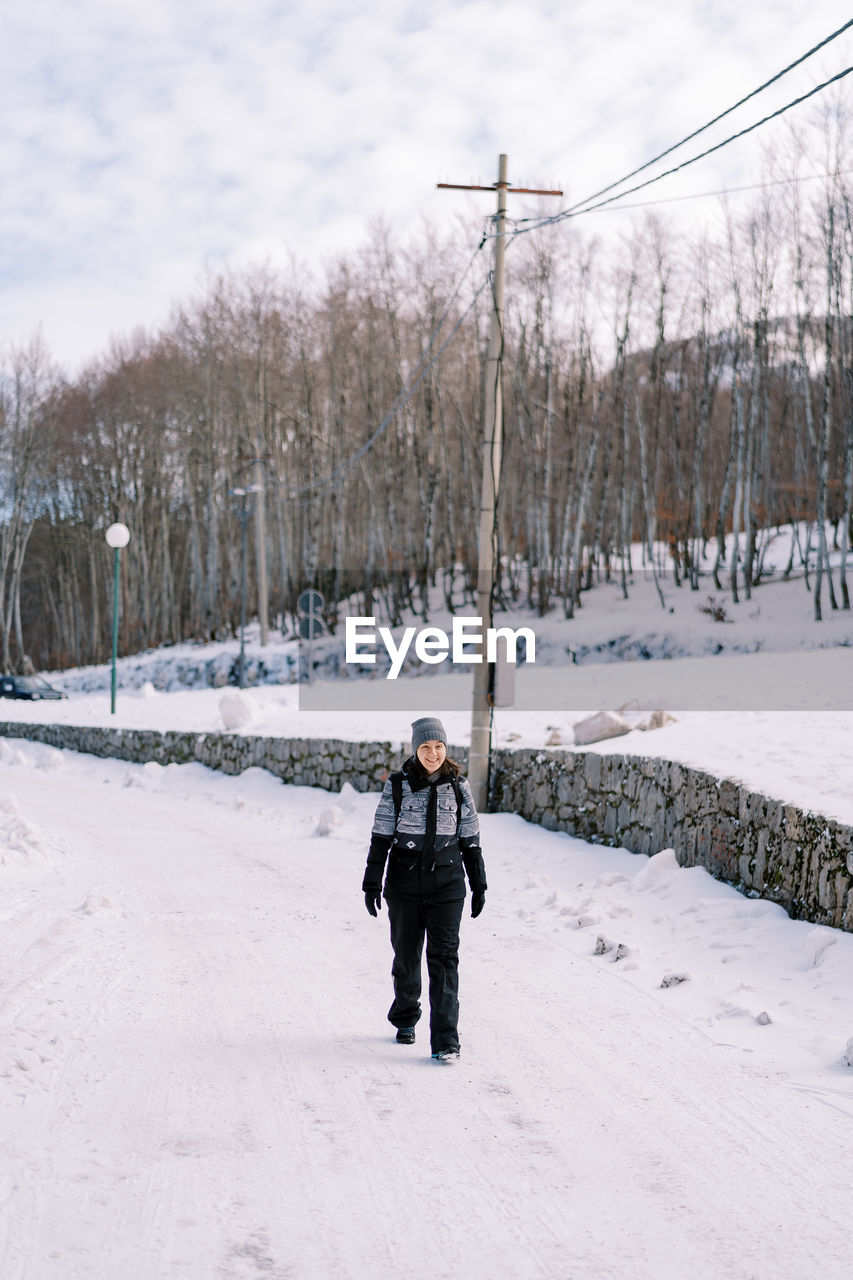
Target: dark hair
[449, 769]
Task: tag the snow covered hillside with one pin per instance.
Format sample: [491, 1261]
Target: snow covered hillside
[199, 1082]
[657, 621]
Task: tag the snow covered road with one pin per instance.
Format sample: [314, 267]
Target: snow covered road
[197, 1080]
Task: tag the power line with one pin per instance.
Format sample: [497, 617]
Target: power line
[716, 119]
[572, 209]
[724, 191]
[718, 146]
[576, 210]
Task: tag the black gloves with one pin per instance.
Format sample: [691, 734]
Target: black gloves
[472, 857]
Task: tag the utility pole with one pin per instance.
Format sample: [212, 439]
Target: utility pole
[260, 506]
[258, 488]
[479, 754]
[261, 549]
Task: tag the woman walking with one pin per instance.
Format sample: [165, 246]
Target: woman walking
[426, 827]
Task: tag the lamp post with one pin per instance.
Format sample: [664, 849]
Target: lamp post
[117, 536]
[243, 494]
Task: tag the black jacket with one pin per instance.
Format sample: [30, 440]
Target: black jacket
[425, 865]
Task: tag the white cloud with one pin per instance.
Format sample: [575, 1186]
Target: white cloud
[144, 140]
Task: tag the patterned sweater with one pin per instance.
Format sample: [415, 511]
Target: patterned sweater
[413, 812]
[426, 863]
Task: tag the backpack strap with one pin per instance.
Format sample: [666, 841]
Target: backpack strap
[396, 780]
[457, 791]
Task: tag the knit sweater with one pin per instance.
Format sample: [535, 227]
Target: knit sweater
[413, 811]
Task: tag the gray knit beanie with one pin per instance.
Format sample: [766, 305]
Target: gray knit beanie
[427, 729]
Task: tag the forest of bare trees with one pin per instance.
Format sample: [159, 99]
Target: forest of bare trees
[662, 389]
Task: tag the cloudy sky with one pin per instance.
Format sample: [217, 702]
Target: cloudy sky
[145, 142]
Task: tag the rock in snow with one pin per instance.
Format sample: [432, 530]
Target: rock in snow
[604, 724]
[657, 720]
[674, 979]
[604, 947]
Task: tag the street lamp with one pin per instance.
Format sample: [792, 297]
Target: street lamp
[117, 536]
[243, 494]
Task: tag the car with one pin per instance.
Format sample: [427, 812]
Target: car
[32, 688]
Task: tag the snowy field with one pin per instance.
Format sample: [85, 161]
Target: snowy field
[198, 1081]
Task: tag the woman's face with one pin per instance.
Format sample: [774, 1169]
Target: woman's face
[431, 755]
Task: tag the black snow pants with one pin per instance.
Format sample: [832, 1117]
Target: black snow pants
[439, 922]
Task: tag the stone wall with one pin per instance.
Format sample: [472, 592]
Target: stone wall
[311, 762]
[762, 846]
